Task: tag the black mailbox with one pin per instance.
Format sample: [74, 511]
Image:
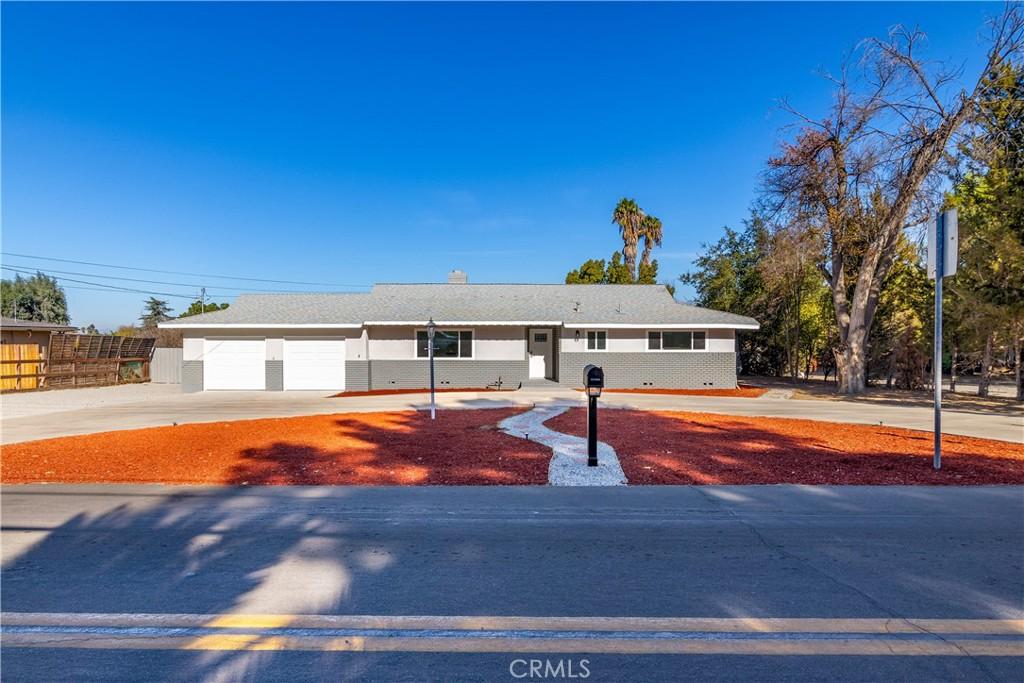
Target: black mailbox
[593, 380]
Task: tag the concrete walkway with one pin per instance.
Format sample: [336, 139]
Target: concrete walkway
[83, 411]
[569, 460]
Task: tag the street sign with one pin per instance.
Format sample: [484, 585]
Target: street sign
[950, 248]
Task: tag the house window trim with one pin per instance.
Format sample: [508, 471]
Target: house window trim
[647, 341]
[586, 341]
[472, 346]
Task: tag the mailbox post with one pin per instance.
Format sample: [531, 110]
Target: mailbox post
[431, 330]
[593, 381]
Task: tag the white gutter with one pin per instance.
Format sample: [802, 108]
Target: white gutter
[420, 323]
[250, 326]
[664, 326]
[463, 323]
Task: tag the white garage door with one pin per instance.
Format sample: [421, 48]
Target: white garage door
[315, 364]
[234, 363]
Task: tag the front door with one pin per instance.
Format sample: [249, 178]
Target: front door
[540, 347]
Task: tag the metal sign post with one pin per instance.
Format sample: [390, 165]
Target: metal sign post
[943, 255]
[937, 358]
[431, 330]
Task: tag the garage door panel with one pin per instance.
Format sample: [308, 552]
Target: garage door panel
[314, 364]
[234, 364]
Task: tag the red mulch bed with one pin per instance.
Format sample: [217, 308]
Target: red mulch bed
[739, 392]
[392, 392]
[460, 447]
[700, 448]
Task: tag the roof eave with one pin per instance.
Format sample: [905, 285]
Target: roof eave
[239, 326]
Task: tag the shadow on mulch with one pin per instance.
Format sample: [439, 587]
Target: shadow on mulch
[397, 392]
[407, 448]
[742, 391]
[700, 448]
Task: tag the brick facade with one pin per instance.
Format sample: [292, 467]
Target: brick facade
[192, 375]
[415, 374]
[275, 375]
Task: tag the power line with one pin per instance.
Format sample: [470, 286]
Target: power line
[100, 284]
[150, 282]
[178, 272]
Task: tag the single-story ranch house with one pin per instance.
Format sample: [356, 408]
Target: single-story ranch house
[485, 333]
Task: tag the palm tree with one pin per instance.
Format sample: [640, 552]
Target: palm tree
[629, 218]
[650, 230]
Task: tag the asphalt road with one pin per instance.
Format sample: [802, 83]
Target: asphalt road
[149, 583]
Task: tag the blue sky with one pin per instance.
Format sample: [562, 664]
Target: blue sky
[349, 144]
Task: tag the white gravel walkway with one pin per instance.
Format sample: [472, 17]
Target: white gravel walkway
[569, 460]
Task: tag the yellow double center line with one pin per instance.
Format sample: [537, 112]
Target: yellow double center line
[497, 634]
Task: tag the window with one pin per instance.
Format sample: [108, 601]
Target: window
[540, 337]
[597, 340]
[447, 344]
[676, 341]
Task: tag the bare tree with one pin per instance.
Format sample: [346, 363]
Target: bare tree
[862, 175]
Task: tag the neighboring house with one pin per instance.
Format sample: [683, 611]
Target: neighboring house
[14, 331]
[516, 333]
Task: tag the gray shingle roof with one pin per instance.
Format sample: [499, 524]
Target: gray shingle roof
[15, 324]
[401, 303]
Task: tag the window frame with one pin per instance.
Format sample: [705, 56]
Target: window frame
[458, 331]
[586, 342]
[661, 341]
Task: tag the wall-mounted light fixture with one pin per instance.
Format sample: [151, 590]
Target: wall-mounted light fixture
[577, 337]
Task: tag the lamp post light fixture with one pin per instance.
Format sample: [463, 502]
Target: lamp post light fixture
[593, 382]
[431, 330]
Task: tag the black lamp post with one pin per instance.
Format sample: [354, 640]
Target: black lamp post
[593, 381]
[431, 329]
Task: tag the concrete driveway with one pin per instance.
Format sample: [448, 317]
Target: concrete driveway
[51, 414]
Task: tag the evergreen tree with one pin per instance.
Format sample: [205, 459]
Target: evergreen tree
[154, 311]
[38, 298]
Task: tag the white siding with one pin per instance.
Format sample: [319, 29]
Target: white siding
[500, 343]
[192, 347]
[722, 340]
[356, 347]
[391, 343]
[275, 348]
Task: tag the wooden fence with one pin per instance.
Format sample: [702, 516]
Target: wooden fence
[77, 360]
[21, 366]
